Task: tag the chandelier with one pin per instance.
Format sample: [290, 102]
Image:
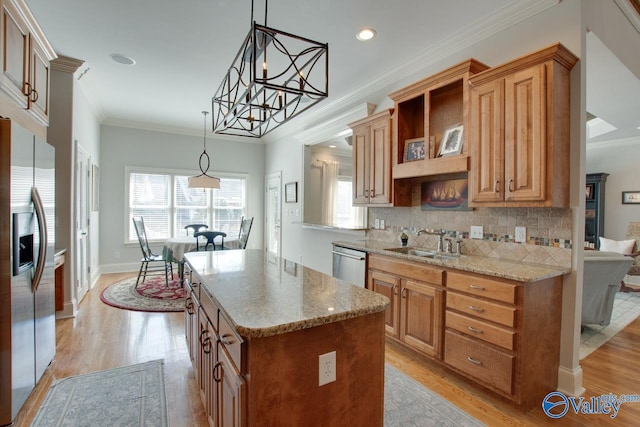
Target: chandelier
[204, 180]
[274, 77]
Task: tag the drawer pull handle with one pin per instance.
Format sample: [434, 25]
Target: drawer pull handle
[479, 288]
[474, 361]
[403, 293]
[478, 309]
[474, 330]
[395, 289]
[226, 339]
[216, 372]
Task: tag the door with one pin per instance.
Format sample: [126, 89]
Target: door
[272, 211]
[44, 294]
[83, 176]
[389, 287]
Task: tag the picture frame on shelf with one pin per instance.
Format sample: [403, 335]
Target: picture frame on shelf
[414, 149]
[451, 142]
[630, 197]
[590, 191]
[291, 192]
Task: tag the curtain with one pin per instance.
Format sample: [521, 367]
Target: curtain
[330, 189]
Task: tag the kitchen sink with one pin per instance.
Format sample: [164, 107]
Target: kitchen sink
[423, 253]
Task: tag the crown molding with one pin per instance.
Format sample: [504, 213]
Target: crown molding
[506, 17]
[66, 64]
[621, 142]
[630, 12]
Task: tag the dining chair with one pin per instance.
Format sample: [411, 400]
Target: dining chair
[243, 235]
[211, 237]
[195, 228]
[150, 264]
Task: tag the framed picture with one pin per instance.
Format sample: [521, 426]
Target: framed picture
[414, 149]
[451, 141]
[291, 192]
[589, 191]
[630, 197]
[450, 194]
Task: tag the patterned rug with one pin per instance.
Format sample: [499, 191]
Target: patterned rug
[152, 295]
[409, 403]
[626, 309]
[129, 396]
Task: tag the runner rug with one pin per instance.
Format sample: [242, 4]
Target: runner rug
[152, 295]
[129, 396]
[409, 403]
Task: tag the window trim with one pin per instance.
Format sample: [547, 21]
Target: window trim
[128, 170]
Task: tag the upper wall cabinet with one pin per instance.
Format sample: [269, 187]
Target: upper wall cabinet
[26, 56]
[424, 112]
[372, 160]
[519, 131]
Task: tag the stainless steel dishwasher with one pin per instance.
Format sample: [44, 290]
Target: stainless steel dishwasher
[350, 265]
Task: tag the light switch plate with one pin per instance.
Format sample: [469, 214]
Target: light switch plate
[382, 224]
[376, 223]
[476, 232]
[521, 234]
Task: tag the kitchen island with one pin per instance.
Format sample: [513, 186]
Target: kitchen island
[257, 325]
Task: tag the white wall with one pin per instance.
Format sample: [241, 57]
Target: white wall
[121, 147]
[620, 160]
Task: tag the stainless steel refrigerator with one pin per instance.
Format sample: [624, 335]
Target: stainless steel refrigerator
[27, 289]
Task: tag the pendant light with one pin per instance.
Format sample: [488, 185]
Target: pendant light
[274, 77]
[203, 180]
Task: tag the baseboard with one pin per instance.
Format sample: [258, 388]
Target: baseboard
[570, 381]
[119, 268]
[69, 311]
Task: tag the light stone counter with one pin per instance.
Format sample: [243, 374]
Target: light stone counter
[264, 296]
[519, 271]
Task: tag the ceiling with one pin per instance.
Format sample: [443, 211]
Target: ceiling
[183, 49]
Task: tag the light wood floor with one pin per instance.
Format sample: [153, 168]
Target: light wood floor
[103, 337]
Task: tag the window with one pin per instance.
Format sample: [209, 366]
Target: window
[167, 205]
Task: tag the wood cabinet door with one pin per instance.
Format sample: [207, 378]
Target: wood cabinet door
[525, 138]
[15, 54]
[39, 69]
[487, 142]
[231, 391]
[421, 317]
[361, 165]
[380, 162]
[389, 286]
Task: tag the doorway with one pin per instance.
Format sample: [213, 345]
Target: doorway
[82, 215]
[273, 208]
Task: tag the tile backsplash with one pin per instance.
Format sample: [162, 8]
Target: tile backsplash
[548, 231]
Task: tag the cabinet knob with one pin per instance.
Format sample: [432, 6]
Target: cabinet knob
[373, 192]
[366, 193]
[510, 185]
[495, 187]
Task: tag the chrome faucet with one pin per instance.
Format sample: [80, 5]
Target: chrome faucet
[440, 233]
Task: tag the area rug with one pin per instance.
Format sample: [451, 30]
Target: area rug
[152, 295]
[626, 309]
[129, 396]
[408, 403]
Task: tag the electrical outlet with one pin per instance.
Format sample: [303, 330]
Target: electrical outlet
[376, 223]
[476, 232]
[326, 368]
[521, 234]
[382, 224]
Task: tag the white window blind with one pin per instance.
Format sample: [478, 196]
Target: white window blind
[167, 205]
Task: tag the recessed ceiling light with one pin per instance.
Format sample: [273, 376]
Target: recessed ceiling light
[366, 34]
[332, 146]
[122, 59]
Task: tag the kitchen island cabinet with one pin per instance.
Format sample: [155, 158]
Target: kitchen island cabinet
[261, 330]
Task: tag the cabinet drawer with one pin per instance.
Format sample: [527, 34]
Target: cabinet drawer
[408, 269]
[483, 287]
[482, 330]
[210, 308]
[231, 342]
[480, 361]
[480, 308]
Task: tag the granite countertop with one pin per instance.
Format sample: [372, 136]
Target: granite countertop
[519, 271]
[264, 296]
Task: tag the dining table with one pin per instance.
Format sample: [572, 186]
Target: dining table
[174, 249]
